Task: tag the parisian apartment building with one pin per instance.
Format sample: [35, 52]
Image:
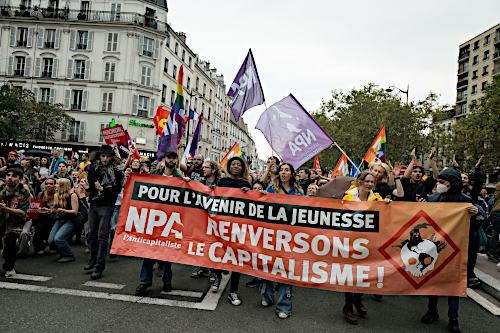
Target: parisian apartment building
[110, 59]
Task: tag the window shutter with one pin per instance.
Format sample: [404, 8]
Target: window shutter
[57, 42]
[29, 42]
[87, 69]
[10, 69]
[104, 98]
[134, 105]
[12, 36]
[90, 40]
[152, 108]
[81, 134]
[69, 72]
[40, 38]
[72, 40]
[27, 68]
[67, 99]
[55, 67]
[52, 97]
[156, 50]
[141, 42]
[84, 100]
[35, 94]
[38, 68]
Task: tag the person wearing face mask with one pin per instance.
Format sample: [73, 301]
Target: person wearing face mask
[448, 189]
[416, 185]
[285, 183]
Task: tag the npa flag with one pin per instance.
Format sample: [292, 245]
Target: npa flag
[160, 118]
[246, 89]
[342, 167]
[316, 163]
[234, 151]
[377, 148]
[196, 137]
[174, 128]
[291, 131]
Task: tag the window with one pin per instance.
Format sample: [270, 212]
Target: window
[474, 90]
[197, 83]
[147, 47]
[45, 95]
[112, 45]
[48, 67]
[116, 9]
[183, 55]
[101, 137]
[50, 38]
[167, 42]
[165, 65]
[109, 71]
[204, 89]
[22, 37]
[172, 97]
[163, 93]
[475, 60]
[485, 70]
[20, 66]
[487, 40]
[82, 42]
[486, 55]
[174, 73]
[146, 76]
[76, 99]
[107, 101]
[484, 85]
[476, 45]
[474, 74]
[210, 95]
[463, 67]
[190, 61]
[188, 83]
[26, 3]
[79, 73]
[76, 131]
[143, 106]
[176, 50]
[463, 109]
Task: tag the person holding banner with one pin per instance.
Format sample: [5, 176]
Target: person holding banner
[285, 183]
[237, 175]
[449, 189]
[146, 276]
[363, 191]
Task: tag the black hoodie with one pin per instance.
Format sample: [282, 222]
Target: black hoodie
[454, 194]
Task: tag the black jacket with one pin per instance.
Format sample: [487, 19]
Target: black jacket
[108, 196]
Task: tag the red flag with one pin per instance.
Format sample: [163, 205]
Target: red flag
[160, 118]
[316, 163]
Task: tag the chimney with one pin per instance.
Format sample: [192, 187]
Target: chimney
[182, 36]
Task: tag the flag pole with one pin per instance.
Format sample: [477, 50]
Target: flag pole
[347, 156]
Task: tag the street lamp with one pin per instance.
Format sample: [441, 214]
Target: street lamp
[392, 88]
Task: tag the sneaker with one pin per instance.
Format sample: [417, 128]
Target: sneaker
[200, 272]
[473, 283]
[234, 299]
[166, 288]
[63, 260]
[430, 317]
[215, 285]
[11, 273]
[40, 253]
[212, 278]
[494, 258]
[253, 283]
[141, 290]
[264, 303]
[453, 326]
[96, 275]
[90, 265]
[283, 315]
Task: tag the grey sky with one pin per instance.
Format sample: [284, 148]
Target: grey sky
[309, 48]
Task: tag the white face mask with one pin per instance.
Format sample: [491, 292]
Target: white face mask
[441, 188]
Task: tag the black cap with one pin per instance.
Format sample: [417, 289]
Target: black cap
[171, 154]
[106, 149]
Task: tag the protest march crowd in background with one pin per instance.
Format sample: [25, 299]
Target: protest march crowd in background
[52, 202]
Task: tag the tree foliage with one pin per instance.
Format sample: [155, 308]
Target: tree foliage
[23, 118]
[354, 118]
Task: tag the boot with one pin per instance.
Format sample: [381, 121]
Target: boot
[361, 308]
[453, 326]
[349, 315]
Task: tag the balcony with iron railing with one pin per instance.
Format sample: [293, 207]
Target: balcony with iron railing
[463, 55]
[91, 16]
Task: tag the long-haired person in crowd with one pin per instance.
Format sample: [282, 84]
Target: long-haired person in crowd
[363, 191]
[66, 210]
[271, 172]
[44, 168]
[237, 175]
[285, 183]
[45, 221]
[387, 182]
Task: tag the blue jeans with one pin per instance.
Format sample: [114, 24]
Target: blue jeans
[284, 295]
[60, 234]
[146, 276]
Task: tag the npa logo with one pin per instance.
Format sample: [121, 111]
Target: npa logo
[419, 250]
[150, 221]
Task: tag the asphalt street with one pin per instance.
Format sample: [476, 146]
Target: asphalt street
[64, 304]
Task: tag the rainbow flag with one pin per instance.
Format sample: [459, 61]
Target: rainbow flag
[174, 127]
[234, 151]
[342, 167]
[377, 148]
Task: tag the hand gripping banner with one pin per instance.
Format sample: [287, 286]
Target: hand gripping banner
[369, 247]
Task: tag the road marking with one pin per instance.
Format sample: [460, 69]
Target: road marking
[209, 302]
[484, 302]
[104, 285]
[184, 293]
[27, 277]
[488, 279]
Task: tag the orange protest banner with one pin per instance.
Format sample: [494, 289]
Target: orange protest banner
[397, 248]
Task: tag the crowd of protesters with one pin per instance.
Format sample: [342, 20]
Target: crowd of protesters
[51, 202]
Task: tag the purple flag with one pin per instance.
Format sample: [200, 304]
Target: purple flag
[196, 137]
[291, 131]
[246, 89]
